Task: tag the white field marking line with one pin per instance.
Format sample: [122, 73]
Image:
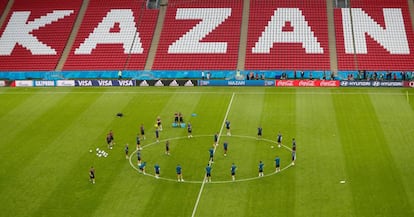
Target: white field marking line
[215, 146]
[202, 92]
[213, 182]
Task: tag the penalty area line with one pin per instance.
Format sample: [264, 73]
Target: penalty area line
[218, 139]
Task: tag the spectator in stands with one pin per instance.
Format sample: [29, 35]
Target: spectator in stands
[203, 76]
[256, 77]
[208, 75]
[310, 76]
[119, 74]
[302, 74]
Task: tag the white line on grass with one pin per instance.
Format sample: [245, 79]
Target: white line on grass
[218, 139]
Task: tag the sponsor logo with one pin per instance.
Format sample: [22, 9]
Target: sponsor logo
[24, 83]
[126, 83]
[331, 83]
[105, 83]
[174, 84]
[287, 83]
[65, 83]
[411, 83]
[236, 83]
[84, 83]
[204, 83]
[144, 83]
[189, 83]
[159, 83]
[307, 83]
[44, 83]
[2, 83]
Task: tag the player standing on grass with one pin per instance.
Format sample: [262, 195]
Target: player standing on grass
[126, 151]
[259, 132]
[211, 151]
[178, 169]
[208, 173]
[293, 144]
[92, 175]
[216, 139]
[109, 141]
[142, 167]
[279, 139]
[159, 124]
[261, 165]
[167, 147]
[157, 171]
[233, 171]
[225, 144]
[157, 134]
[189, 130]
[293, 153]
[142, 131]
[138, 142]
[228, 127]
[277, 164]
[139, 157]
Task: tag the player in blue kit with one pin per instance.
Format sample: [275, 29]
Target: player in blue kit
[279, 139]
[189, 130]
[167, 147]
[277, 164]
[211, 151]
[139, 157]
[227, 123]
[92, 175]
[142, 167]
[157, 171]
[216, 139]
[261, 166]
[259, 132]
[225, 144]
[233, 171]
[208, 173]
[178, 169]
[126, 151]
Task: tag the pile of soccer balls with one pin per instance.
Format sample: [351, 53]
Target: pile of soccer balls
[101, 153]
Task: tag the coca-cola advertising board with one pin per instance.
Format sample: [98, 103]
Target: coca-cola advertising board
[307, 83]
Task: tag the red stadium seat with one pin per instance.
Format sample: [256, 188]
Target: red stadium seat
[287, 34]
[102, 47]
[389, 49]
[180, 46]
[35, 33]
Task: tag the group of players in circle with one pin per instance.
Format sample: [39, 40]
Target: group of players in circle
[178, 117]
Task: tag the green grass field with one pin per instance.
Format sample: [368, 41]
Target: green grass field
[362, 136]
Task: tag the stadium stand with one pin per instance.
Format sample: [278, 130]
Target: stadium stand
[108, 38]
[180, 46]
[380, 45]
[3, 4]
[296, 31]
[35, 33]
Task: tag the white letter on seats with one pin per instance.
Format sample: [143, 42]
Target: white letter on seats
[102, 35]
[19, 31]
[392, 38]
[190, 42]
[301, 33]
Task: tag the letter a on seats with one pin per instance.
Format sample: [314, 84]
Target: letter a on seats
[301, 33]
[19, 31]
[128, 35]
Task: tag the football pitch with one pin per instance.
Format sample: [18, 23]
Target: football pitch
[355, 152]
